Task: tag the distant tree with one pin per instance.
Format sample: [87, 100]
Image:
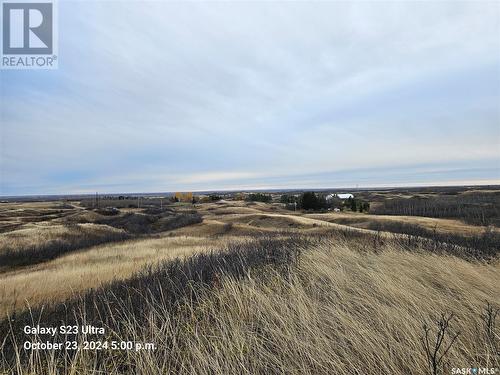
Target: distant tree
[311, 201]
[259, 197]
[286, 198]
[352, 204]
[215, 197]
[322, 203]
[308, 201]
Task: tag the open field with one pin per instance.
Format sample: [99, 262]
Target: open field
[248, 287]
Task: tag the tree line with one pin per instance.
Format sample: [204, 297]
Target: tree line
[310, 200]
[475, 208]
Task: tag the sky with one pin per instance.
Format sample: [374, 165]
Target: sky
[167, 96]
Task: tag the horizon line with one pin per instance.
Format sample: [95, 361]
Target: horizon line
[495, 184]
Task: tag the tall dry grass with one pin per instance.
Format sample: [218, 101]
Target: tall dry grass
[343, 307]
[73, 273]
[41, 243]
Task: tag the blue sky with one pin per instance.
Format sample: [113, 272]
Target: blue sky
[164, 96]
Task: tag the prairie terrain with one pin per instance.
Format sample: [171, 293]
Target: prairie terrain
[249, 287]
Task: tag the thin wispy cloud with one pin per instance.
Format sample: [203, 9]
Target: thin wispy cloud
[161, 96]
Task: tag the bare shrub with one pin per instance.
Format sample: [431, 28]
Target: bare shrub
[483, 246]
[435, 347]
[489, 319]
[140, 223]
[227, 227]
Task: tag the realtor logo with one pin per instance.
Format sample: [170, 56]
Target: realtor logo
[28, 35]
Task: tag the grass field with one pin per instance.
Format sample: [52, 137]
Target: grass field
[249, 288]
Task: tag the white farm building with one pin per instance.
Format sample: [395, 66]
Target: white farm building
[339, 196]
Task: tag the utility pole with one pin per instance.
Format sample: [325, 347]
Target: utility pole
[161, 203]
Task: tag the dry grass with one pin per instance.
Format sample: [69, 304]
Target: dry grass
[42, 242]
[345, 308]
[38, 235]
[16, 215]
[343, 312]
[94, 266]
[81, 271]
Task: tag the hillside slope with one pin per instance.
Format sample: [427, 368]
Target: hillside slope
[344, 306]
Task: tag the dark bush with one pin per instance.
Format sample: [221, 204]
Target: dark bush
[139, 223]
[108, 211]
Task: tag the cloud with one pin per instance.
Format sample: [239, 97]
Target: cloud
[155, 96]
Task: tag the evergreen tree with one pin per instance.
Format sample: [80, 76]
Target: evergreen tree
[309, 201]
[353, 204]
